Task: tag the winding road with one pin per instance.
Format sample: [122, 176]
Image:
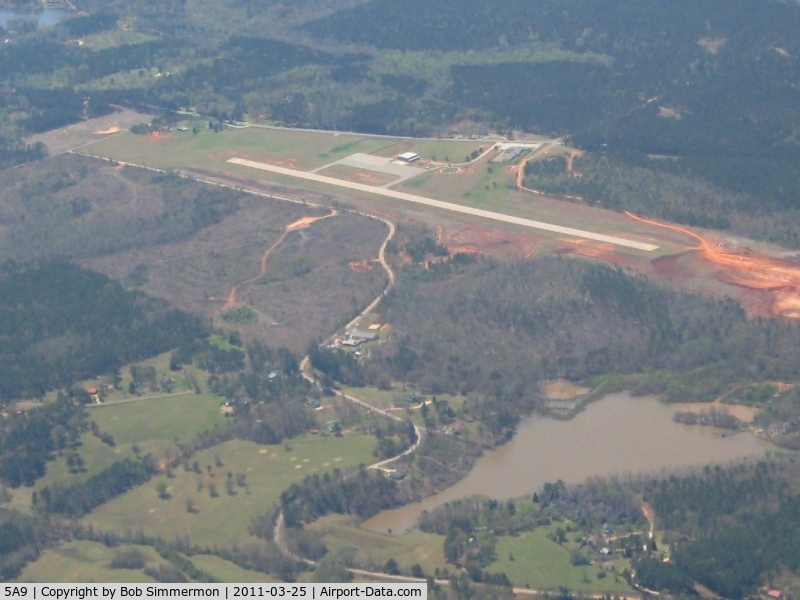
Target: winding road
[279, 529]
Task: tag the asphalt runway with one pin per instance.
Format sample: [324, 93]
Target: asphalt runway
[449, 206]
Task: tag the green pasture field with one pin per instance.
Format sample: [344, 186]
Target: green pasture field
[227, 572]
[224, 520]
[542, 564]
[86, 562]
[153, 425]
[156, 424]
[374, 549]
[96, 455]
[301, 150]
[115, 38]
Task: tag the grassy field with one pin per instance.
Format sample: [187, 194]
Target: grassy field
[269, 470]
[293, 149]
[531, 559]
[86, 562]
[374, 549]
[156, 424]
[153, 425]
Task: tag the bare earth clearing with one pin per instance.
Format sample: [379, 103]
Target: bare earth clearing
[86, 132]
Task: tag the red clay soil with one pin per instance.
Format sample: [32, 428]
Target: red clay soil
[480, 240]
[779, 279]
[360, 266]
[230, 300]
[571, 162]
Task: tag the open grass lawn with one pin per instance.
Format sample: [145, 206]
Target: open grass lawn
[86, 562]
[156, 424]
[542, 564]
[374, 549]
[223, 520]
[96, 455]
[292, 149]
[227, 572]
[297, 150]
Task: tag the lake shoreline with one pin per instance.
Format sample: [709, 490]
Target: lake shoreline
[611, 434]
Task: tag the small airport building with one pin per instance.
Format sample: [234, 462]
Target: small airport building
[408, 157]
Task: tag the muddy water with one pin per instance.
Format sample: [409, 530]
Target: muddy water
[617, 434]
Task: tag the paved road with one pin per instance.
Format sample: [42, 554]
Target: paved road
[449, 206]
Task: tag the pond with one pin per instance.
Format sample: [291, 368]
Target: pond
[617, 434]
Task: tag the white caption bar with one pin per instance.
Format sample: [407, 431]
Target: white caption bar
[226, 591]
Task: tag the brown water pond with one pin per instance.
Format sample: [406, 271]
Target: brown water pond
[618, 434]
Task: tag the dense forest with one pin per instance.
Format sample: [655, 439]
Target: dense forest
[734, 529]
[493, 330]
[30, 439]
[60, 323]
[644, 79]
[617, 185]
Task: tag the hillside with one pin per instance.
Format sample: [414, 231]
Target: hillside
[710, 83]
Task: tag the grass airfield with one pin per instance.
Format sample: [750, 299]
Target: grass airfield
[481, 184]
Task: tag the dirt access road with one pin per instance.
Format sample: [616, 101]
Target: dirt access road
[448, 206]
[781, 279]
[302, 223]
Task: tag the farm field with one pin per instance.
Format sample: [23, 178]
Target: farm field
[153, 425]
[224, 519]
[182, 381]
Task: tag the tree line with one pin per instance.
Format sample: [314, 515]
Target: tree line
[493, 330]
[61, 323]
